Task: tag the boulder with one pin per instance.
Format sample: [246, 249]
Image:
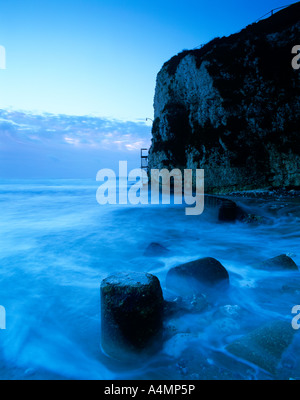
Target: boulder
[156, 250]
[197, 277]
[282, 262]
[264, 346]
[131, 314]
[228, 211]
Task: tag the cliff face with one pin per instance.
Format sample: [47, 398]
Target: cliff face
[233, 108]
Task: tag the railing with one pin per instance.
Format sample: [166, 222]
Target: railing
[272, 12]
[144, 159]
[198, 47]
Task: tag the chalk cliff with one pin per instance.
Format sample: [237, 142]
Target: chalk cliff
[232, 108]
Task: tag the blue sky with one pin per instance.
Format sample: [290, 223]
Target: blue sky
[95, 58]
[102, 56]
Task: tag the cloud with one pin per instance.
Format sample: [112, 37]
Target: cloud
[32, 145]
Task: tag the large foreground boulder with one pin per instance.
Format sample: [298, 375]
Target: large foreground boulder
[197, 277]
[131, 314]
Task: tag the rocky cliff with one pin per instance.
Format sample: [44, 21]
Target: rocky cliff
[232, 108]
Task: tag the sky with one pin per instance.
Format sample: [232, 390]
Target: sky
[100, 58]
[46, 146]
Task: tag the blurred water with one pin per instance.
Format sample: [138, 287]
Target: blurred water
[57, 244]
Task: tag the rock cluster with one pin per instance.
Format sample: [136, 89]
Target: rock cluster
[137, 321]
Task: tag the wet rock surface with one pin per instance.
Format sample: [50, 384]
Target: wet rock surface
[264, 346]
[156, 250]
[132, 313]
[184, 305]
[225, 336]
[261, 206]
[209, 341]
[282, 262]
[197, 276]
[228, 211]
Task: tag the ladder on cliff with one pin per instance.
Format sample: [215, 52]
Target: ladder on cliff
[144, 165]
[144, 159]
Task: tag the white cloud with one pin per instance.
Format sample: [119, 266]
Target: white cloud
[31, 144]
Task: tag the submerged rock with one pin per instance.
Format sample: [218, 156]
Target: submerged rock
[253, 219]
[197, 277]
[264, 346]
[277, 263]
[187, 305]
[131, 314]
[177, 345]
[156, 250]
[228, 211]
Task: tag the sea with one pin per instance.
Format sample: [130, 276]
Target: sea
[57, 244]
